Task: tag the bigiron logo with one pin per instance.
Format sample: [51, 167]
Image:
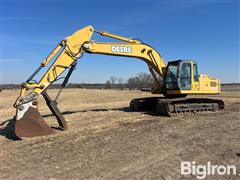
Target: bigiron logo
[121, 49]
[202, 171]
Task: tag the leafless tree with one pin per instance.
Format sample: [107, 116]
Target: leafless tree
[120, 82]
[132, 83]
[113, 81]
[108, 84]
[142, 80]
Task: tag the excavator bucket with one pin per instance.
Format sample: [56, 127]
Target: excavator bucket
[32, 124]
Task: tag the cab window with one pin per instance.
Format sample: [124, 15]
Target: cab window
[185, 76]
[195, 72]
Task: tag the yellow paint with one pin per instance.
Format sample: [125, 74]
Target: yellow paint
[79, 42]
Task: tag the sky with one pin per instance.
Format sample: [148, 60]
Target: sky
[204, 31]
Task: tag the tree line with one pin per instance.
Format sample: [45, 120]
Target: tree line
[139, 81]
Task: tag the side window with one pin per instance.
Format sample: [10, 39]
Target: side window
[185, 76]
[195, 72]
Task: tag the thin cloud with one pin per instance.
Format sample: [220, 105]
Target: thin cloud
[13, 60]
[19, 18]
[8, 39]
[169, 10]
[38, 41]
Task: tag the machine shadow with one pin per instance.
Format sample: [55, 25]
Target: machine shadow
[9, 130]
[124, 109]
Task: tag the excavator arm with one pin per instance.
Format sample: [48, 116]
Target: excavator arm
[29, 122]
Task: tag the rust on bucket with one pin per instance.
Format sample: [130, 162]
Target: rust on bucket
[32, 124]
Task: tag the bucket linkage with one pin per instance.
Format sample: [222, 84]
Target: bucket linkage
[29, 122]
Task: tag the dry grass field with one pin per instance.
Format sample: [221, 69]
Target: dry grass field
[105, 140]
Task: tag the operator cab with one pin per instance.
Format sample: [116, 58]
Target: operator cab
[179, 75]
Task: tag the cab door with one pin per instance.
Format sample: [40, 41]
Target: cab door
[195, 84]
[185, 73]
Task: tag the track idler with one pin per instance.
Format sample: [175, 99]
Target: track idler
[144, 104]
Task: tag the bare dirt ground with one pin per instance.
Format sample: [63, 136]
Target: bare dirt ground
[105, 140]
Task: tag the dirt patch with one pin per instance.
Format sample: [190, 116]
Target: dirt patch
[107, 141]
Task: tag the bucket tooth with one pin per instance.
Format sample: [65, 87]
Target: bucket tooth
[32, 124]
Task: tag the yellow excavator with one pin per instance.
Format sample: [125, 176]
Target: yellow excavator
[174, 80]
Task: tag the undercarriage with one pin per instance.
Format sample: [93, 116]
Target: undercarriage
[177, 106]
